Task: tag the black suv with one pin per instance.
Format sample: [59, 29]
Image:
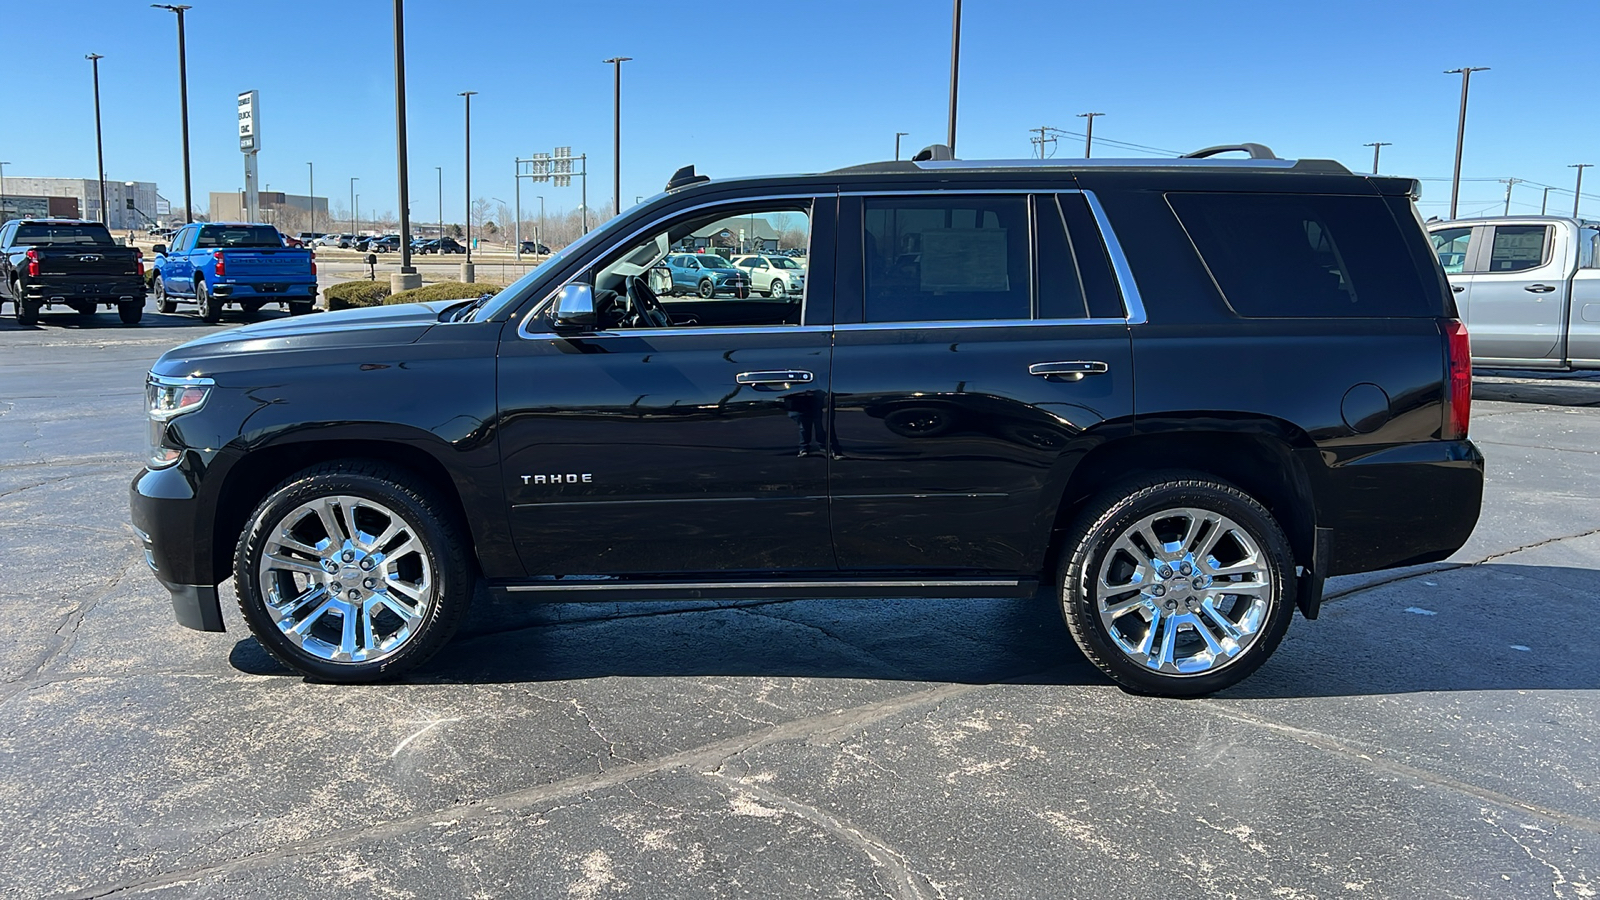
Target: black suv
[1171, 396]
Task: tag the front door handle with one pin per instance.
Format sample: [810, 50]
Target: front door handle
[1539, 288]
[1068, 371]
[775, 379]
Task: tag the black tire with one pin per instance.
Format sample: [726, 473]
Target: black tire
[439, 534]
[707, 289]
[85, 307]
[27, 310]
[130, 311]
[205, 303]
[164, 303]
[251, 307]
[299, 307]
[1090, 540]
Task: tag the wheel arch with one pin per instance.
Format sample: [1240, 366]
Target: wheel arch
[1266, 458]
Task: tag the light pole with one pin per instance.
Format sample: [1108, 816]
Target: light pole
[1377, 147]
[897, 136]
[1461, 130]
[99, 149]
[440, 170]
[407, 278]
[3, 191]
[466, 267]
[539, 235]
[955, 73]
[616, 133]
[355, 223]
[1088, 134]
[1577, 190]
[517, 180]
[183, 105]
[311, 194]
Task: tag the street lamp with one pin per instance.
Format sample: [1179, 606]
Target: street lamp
[1088, 135]
[1461, 130]
[616, 131]
[408, 277]
[1377, 146]
[440, 170]
[355, 221]
[183, 104]
[897, 136]
[311, 194]
[99, 149]
[539, 235]
[1577, 190]
[466, 267]
[955, 69]
[3, 190]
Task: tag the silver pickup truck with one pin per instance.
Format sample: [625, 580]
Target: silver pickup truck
[1528, 288]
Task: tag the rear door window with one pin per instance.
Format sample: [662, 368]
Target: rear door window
[931, 259]
[1519, 247]
[1306, 255]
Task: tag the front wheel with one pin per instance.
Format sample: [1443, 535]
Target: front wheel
[707, 289]
[1176, 585]
[353, 571]
[85, 307]
[299, 307]
[775, 288]
[164, 304]
[130, 311]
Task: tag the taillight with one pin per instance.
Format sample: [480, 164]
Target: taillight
[1458, 356]
[222, 263]
[138, 262]
[313, 265]
[33, 264]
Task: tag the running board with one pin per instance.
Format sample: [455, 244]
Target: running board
[797, 589]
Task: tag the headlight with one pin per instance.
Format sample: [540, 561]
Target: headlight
[166, 398]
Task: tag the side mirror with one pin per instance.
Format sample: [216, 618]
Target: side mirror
[574, 310]
[158, 250]
[661, 280]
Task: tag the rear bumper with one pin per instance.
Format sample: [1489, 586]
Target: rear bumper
[99, 292]
[1402, 505]
[265, 289]
[164, 506]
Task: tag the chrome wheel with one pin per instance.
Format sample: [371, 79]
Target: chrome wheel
[775, 289]
[1184, 591]
[346, 579]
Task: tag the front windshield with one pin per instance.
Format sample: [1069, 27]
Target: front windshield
[782, 262]
[514, 293]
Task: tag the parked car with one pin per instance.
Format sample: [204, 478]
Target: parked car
[292, 242]
[533, 247]
[351, 241]
[774, 275]
[388, 243]
[328, 240]
[1528, 288]
[441, 245]
[949, 411]
[307, 238]
[69, 262]
[214, 264]
[706, 274]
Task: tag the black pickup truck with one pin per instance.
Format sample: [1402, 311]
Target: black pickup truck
[1175, 395]
[45, 262]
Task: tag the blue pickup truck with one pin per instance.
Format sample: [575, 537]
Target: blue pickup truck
[216, 263]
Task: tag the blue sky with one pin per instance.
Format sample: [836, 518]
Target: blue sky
[802, 86]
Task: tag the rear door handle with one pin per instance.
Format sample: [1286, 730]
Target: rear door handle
[1539, 288]
[1457, 288]
[782, 378]
[1068, 371]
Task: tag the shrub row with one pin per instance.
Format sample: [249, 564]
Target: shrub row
[353, 294]
[444, 290]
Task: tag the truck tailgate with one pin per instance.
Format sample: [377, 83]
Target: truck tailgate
[88, 261]
[267, 263]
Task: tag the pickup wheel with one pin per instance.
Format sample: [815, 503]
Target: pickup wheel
[205, 304]
[353, 571]
[27, 310]
[164, 304]
[130, 311]
[1177, 585]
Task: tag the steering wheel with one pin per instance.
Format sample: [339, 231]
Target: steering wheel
[646, 305]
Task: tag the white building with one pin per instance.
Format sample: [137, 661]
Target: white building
[87, 192]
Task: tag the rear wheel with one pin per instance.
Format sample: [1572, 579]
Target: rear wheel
[352, 571]
[130, 311]
[205, 304]
[27, 310]
[164, 304]
[1177, 585]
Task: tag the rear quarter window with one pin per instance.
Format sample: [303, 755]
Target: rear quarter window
[1306, 255]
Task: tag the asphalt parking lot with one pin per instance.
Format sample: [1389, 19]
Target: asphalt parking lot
[1435, 734]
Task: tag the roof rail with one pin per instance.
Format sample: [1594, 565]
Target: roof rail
[1256, 151]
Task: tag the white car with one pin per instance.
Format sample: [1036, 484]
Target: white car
[773, 276]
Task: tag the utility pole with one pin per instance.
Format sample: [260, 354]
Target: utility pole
[538, 235]
[407, 278]
[616, 133]
[1461, 131]
[897, 136]
[466, 267]
[1510, 182]
[1377, 147]
[1042, 139]
[183, 105]
[3, 191]
[1088, 135]
[355, 225]
[955, 73]
[440, 170]
[99, 148]
[1577, 190]
[311, 193]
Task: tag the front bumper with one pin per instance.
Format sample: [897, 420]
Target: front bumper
[163, 506]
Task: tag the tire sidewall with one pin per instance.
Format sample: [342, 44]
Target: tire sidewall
[1108, 518]
[444, 555]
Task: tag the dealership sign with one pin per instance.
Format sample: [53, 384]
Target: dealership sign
[250, 121]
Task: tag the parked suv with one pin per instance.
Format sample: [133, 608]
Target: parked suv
[1170, 396]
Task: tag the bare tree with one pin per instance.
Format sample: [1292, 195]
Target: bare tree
[480, 214]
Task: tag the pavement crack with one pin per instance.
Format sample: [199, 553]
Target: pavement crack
[888, 666]
[904, 883]
[1333, 745]
[1557, 877]
[1452, 567]
[66, 632]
